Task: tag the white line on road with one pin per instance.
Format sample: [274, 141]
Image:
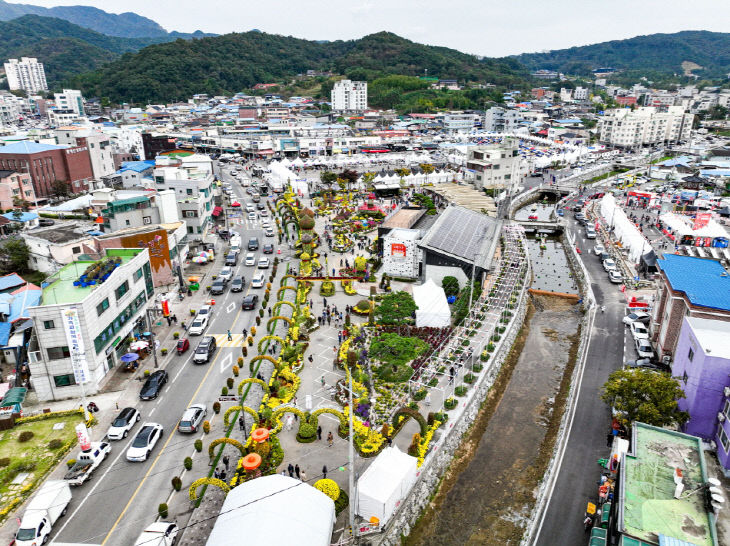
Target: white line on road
[182, 368]
[227, 361]
[231, 307]
[152, 411]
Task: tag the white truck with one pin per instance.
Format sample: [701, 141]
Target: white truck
[43, 511]
[87, 462]
[160, 533]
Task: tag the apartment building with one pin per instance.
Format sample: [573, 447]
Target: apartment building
[15, 185]
[502, 120]
[495, 166]
[26, 74]
[644, 126]
[459, 123]
[70, 99]
[349, 96]
[98, 145]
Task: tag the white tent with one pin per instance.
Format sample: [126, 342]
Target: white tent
[274, 506]
[433, 309]
[385, 484]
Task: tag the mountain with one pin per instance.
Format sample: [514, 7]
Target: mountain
[125, 25]
[233, 62]
[64, 48]
[664, 53]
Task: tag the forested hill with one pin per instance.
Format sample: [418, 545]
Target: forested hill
[653, 53]
[234, 62]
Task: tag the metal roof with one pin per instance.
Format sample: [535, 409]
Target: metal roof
[705, 282]
[28, 147]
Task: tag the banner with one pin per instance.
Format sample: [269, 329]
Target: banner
[83, 435]
[398, 249]
[701, 219]
[165, 308]
[75, 339]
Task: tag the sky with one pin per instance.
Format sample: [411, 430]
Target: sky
[492, 28]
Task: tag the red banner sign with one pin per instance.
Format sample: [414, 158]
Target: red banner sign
[701, 220]
[398, 249]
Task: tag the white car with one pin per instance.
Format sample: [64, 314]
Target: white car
[615, 277]
[123, 424]
[144, 442]
[598, 250]
[192, 418]
[636, 316]
[643, 348]
[252, 216]
[263, 262]
[160, 533]
[250, 208]
[225, 274]
[590, 233]
[639, 331]
[269, 232]
[205, 311]
[609, 264]
[250, 259]
[198, 326]
[258, 280]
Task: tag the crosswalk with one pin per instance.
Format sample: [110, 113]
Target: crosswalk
[221, 340]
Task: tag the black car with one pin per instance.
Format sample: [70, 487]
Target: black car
[237, 284]
[250, 302]
[268, 248]
[231, 259]
[206, 349]
[648, 364]
[152, 387]
[253, 243]
[45, 222]
[260, 206]
[218, 287]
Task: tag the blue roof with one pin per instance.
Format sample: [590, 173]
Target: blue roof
[716, 172]
[28, 147]
[4, 333]
[572, 120]
[137, 166]
[700, 279]
[24, 217]
[684, 161]
[11, 281]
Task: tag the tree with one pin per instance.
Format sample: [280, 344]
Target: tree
[60, 188]
[646, 396]
[327, 177]
[20, 203]
[367, 179]
[396, 308]
[14, 256]
[427, 168]
[450, 285]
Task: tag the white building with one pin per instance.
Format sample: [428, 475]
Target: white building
[580, 93]
[11, 107]
[401, 255]
[99, 145]
[502, 120]
[70, 99]
[27, 74]
[457, 122]
[53, 247]
[59, 118]
[495, 166]
[81, 331]
[349, 96]
[644, 126]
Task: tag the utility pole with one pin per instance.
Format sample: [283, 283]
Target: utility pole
[150, 319]
[351, 457]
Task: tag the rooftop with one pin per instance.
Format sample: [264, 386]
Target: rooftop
[60, 233]
[647, 507]
[28, 147]
[713, 336]
[20, 216]
[404, 218]
[705, 282]
[61, 288]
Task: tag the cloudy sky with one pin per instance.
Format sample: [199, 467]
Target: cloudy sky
[483, 27]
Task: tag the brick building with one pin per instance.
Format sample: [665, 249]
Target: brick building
[689, 287]
[46, 163]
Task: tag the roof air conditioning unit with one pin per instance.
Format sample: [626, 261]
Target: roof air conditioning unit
[726, 391]
[721, 417]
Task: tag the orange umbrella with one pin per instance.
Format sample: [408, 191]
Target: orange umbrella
[260, 435]
[251, 461]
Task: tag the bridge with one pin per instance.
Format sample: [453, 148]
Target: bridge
[551, 228]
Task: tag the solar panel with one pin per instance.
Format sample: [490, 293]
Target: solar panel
[461, 233]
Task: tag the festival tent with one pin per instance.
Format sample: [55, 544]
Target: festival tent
[385, 484]
[433, 309]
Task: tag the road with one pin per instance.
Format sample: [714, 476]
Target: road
[610, 346]
[123, 497]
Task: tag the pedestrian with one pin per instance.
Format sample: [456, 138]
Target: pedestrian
[217, 473]
[339, 336]
[324, 300]
[241, 424]
[230, 337]
[452, 373]
[244, 332]
[269, 311]
[184, 326]
[226, 460]
[319, 432]
[174, 319]
[290, 468]
[296, 470]
[169, 320]
[304, 476]
[330, 439]
[324, 472]
[329, 320]
[222, 475]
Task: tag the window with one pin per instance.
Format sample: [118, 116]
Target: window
[65, 380]
[58, 353]
[138, 274]
[685, 377]
[48, 325]
[103, 306]
[726, 409]
[691, 355]
[189, 191]
[190, 214]
[121, 290]
[76, 250]
[722, 436]
[128, 223]
[146, 219]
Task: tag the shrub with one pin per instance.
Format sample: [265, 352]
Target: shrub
[163, 351]
[55, 444]
[176, 483]
[433, 382]
[4, 461]
[162, 510]
[253, 330]
[460, 390]
[188, 463]
[420, 394]
[244, 350]
[490, 347]
[193, 311]
[413, 406]
[229, 382]
[470, 378]
[236, 370]
[342, 502]
[484, 356]
[250, 340]
[70, 462]
[146, 373]
[25, 436]
[176, 335]
[478, 367]
[206, 427]
[224, 391]
[261, 312]
[216, 407]
[450, 403]
[450, 285]
[258, 322]
[328, 487]
[307, 433]
[198, 445]
[415, 443]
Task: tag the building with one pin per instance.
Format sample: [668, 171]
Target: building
[48, 164]
[133, 174]
[580, 93]
[401, 256]
[53, 247]
[144, 210]
[502, 120]
[644, 126]
[494, 166]
[98, 144]
[13, 186]
[688, 287]
[662, 492]
[349, 96]
[70, 99]
[459, 123]
[11, 108]
[27, 74]
[82, 330]
[153, 145]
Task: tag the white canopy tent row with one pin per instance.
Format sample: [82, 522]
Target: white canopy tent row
[681, 225]
[433, 309]
[624, 229]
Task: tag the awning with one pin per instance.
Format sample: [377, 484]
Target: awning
[217, 211]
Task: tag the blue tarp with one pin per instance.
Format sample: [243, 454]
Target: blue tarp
[4, 333]
[23, 217]
[11, 281]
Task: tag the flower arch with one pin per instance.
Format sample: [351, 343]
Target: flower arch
[282, 302]
[231, 441]
[266, 357]
[252, 412]
[408, 412]
[285, 277]
[276, 417]
[274, 337]
[250, 380]
[314, 417]
[278, 292]
[207, 481]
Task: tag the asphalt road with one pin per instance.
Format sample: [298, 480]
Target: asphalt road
[122, 498]
[578, 472]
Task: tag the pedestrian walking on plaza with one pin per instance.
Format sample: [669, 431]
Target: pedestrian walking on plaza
[290, 468]
[330, 439]
[319, 432]
[311, 359]
[324, 472]
[269, 311]
[217, 473]
[230, 337]
[324, 302]
[226, 461]
[244, 332]
[222, 475]
[296, 471]
[169, 320]
[339, 336]
[452, 373]
[174, 319]
[304, 476]
[329, 320]
[241, 424]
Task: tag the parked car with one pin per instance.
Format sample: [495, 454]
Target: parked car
[263, 262]
[637, 316]
[205, 311]
[604, 256]
[258, 280]
[590, 233]
[42, 513]
[647, 363]
[269, 232]
[237, 284]
[615, 277]
[268, 248]
[638, 330]
[192, 418]
[200, 323]
[598, 250]
[225, 274]
[253, 243]
[231, 259]
[45, 222]
[160, 533]
[123, 424]
[609, 264]
[144, 442]
[249, 302]
[643, 348]
[250, 259]
[152, 387]
[218, 287]
[249, 206]
[205, 350]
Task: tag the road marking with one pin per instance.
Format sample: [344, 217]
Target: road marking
[227, 361]
[152, 411]
[182, 368]
[154, 463]
[231, 307]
